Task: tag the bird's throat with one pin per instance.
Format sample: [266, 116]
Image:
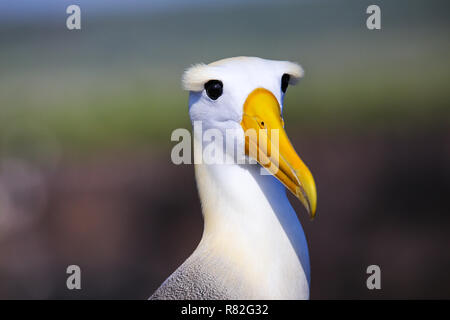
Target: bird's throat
[250, 224]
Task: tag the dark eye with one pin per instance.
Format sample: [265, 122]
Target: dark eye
[214, 89]
[284, 82]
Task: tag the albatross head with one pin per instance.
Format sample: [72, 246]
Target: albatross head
[246, 94]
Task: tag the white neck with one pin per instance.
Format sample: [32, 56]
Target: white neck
[251, 227]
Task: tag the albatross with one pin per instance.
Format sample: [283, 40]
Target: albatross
[253, 245]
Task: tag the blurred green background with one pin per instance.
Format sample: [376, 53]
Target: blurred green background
[86, 118]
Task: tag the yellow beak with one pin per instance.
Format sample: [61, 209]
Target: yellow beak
[267, 142]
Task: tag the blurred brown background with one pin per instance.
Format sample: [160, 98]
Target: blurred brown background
[86, 117]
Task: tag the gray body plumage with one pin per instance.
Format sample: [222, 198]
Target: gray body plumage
[196, 279]
[190, 283]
